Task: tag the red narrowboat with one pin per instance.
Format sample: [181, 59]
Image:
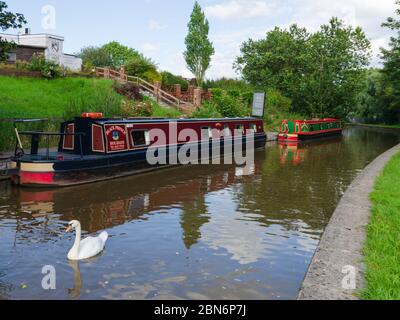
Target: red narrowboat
[300, 130]
[92, 148]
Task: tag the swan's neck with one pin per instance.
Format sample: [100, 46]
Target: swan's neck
[77, 244]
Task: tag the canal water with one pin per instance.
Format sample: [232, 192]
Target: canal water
[199, 232]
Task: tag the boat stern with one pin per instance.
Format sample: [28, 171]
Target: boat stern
[33, 174]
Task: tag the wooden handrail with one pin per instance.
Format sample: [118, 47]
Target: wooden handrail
[145, 85]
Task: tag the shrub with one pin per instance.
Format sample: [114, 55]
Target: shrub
[49, 69]
[129, 90]
[207, 110]
[139, 66]
[169, 80]
[152, 76]
[37, 62]
[136, 109]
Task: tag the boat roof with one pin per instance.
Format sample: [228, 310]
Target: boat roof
[164, 120]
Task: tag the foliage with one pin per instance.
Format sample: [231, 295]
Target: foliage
[112, 54]
[321, 72]
[152, 76]
[206, 111]
[277, 108]
[120, 54]
[8, 20]
[199, 48]
[49, 69]
[129, 90]
[169, 80]
[382, 254]
[95, 57]
[142, 67]
[391, 75]
[137, 109]
[227, 105]
[228, 84]
[369, 106]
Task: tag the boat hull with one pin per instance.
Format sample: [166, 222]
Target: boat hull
[308, 136]
[49, 174]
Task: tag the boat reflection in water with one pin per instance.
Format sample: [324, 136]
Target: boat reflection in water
[296, 152]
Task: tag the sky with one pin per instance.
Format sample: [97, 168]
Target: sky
[158, 28]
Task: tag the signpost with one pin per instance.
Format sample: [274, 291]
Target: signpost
[258, 104]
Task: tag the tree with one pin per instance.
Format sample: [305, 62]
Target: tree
[8, 20]
[391, 72]
[337, 56]
[369, 105]
[199, 49]
[321, 72]
[120, 54]
[95, 57]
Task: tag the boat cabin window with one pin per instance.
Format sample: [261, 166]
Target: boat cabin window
[206, 133]
[227, 131]
[297, 127]
[239, 128]
[140, 138]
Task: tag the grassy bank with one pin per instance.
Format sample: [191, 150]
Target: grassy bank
[382, 250]
[61, 99]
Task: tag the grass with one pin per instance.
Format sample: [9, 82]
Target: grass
[382, 249]
[62, 99]
[30, 97]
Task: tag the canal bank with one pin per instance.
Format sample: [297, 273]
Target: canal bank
[338, 257]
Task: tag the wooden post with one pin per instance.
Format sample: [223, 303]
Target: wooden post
[178, 91]
[157, 87]
[197, 97]
[107, 73]
[191, 93]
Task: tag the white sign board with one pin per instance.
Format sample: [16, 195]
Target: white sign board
[258, 104]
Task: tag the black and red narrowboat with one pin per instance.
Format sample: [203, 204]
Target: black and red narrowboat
[92, 148]
[300, 130]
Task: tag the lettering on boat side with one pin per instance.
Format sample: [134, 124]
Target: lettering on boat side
[116, 138]
[202, 310]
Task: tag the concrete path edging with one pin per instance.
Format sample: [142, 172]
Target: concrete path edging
[339, 254]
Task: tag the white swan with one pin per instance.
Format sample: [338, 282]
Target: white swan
[87, 248]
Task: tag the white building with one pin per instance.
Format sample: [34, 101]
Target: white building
[50, 45]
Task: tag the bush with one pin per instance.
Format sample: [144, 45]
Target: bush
[136, 109]
[140, 66]
[152, 76]
[229, 105]
[169, 80]
[49, 69]
[129, 90]
[207, 110]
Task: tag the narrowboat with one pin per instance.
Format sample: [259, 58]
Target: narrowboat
[300, 130]
[93, 148]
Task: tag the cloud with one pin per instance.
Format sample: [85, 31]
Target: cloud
[239, 9]
[155, 25]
